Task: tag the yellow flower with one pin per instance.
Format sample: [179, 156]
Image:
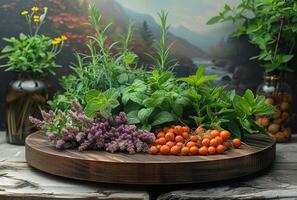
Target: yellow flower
[36, 18]
[63, 37]
[34, 9]
[24, 12]
[56, 41]
[45, 8]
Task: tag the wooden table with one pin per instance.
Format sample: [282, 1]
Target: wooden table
[18, 181]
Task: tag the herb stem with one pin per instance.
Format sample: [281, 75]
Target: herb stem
[278, 38]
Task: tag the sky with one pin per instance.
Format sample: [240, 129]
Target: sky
[193, 14]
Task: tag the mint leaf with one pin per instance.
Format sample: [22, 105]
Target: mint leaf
[132, 117]
[91, 94]
[249, 97]
[241, 106]
[144, 114]
[163, 117]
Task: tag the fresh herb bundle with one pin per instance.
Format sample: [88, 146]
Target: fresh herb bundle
[216, 107]
[100, 69]
[110, 84]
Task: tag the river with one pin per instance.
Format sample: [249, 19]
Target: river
[210, 68]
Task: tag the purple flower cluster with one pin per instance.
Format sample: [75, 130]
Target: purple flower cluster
[76, 130]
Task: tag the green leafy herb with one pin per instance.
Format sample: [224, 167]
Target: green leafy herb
[99, 69]
[103, 103]
[270, 25]
[33, 53]
[215, 107]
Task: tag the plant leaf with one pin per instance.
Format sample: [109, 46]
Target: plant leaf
[163, 117]
[132, 117]
[144, 114]
[214, 20]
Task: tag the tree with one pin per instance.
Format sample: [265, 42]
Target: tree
[146, 34]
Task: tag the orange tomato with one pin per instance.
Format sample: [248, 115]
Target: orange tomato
[199, 130]
[171, 130]
[203, 151]
[194, 138]
[169, 136]
[214, 133]
[211, 150]
[236, 143]
[153, 150]
[165, 149]
[213, 142]
[175, 150]
[220, 148]
[205, 142]
[185, 135]
[186, 129]
[194, 150]
[161, 134]
[190, 144]
[180, 144]
[179, 138]
[185, 151]
[178, 130]
[219, 139]
[225, 135]
[158, 146]
[170, 143]
[161, 141]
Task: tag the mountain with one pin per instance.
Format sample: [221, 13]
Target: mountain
[200, 40]
[206, 38]
[182, 47]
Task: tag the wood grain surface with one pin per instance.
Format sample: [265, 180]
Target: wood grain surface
[99, 166]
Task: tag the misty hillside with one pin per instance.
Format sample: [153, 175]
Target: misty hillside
[206, 38]
[120, 16]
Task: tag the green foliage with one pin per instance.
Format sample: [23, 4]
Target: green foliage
[31, 53]
[154, 101]
[270, 25]
[199, 78]
[162, 61]
[99, 69]
[108, 84]
[28, 53]
[215, 107]
[102, 102]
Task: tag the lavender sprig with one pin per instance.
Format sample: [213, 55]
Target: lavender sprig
[76, 130]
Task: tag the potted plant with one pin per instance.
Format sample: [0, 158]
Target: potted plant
[32, 57]
[272, 27]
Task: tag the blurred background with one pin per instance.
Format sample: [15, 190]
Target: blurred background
[195, 43]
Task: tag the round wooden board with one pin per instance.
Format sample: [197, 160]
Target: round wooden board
[99, 166]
